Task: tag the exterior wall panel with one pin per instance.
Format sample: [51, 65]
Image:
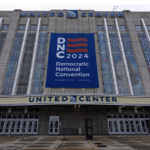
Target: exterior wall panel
[78, 25]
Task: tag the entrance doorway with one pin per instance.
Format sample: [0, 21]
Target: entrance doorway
[19, 124]
[88, 129]
[128, 124]
[54, 125]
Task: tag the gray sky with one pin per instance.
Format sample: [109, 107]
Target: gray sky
[106, 5]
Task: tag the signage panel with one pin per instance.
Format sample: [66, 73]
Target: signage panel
[72, 61]
[77, 99]
[72, 13]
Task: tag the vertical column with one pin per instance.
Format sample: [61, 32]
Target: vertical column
[111, 57]
[124, 57]
[20, 57]
[145, 29]
[34, 55]
[1, 20]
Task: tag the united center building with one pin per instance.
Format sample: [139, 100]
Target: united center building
[61, 69]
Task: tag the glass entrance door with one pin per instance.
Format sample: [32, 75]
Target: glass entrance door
[30, 124]
[54, 126]
[13, 125]
[115, 127]
[24, 127]
[121, 126]
[138, 126]
[18, 127]
[32, 127]
[132, 126]
[127, 126]
[110, 126]
[35, 127]
[143, 126]
[7, 127]
[2, 124]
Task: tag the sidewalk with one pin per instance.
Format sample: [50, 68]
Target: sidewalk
[114, 142]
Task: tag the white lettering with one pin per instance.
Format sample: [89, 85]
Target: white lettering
[61, 40]
[57, 63]
[62, 47]
[58, 54]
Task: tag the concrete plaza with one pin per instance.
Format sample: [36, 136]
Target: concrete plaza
[116, 142]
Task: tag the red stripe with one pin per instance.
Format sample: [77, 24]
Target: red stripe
[77, 40]
[77, 45]
[77, 50]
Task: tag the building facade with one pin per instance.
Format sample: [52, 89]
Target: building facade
[43, 90]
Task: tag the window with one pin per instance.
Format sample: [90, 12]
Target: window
[5, 27]
[18, 110]
[21, 27]
[44, 27]
[33, 28]
[100, 28]
[34, 109]
[3, 109]
[111, 28]
[122, 28]
[138, 28]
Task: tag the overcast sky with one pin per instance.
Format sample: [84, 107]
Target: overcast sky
[98, 5]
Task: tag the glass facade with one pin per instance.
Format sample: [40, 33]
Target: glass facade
[105, 62]
[38, 74]
[33, 28]
[119, 65]
[12, 65]
[138, 28]
[111, 28]
[44, 27]
[26, 64]
[133, 69]
[3, 34]
[39, 64]
[122, 28]
[5, 27]
[100, 28]
[148, 28]
[146, 48]
[21, 27]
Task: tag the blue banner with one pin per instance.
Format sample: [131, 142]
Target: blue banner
[72, 61]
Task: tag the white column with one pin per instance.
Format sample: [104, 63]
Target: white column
[124, 57]
[20, 57]
[145, 29]
[34, 56]
[111, 58]
[1, 20]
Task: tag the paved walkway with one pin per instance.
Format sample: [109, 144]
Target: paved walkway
[75, 143]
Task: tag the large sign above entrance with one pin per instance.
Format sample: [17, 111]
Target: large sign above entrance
[72, 61]
[75, 99]
[72, 14]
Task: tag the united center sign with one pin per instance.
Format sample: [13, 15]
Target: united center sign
[75, 100]
[72, 14]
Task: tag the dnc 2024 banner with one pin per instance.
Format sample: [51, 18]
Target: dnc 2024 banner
[72, 61]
